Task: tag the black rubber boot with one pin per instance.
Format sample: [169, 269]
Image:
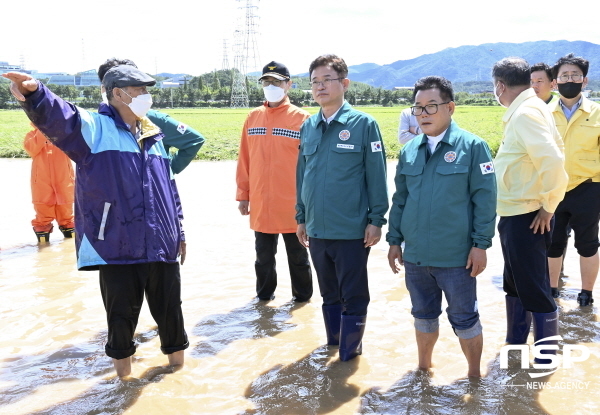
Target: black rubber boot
[518, 321]
[545, 325]
[351, 334]
[332, 315]
[67, 232]
[584, 298]
[43, 237]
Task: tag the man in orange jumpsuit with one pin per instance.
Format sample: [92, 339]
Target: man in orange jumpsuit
[266, 183]
[52, 186]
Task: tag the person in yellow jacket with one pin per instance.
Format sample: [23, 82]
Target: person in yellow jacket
[52, 186]
[266, 183]
[531, 182]
[578, 121]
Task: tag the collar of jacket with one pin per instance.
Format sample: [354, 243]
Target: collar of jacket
[586, 105]
[110, 111]
[149, 129]
[449, 138]
[341, 116]
[521, 98]
[284, 104]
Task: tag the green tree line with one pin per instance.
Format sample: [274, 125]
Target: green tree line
[213, 89]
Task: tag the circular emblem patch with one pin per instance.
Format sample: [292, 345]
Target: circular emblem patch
[344, 135]
[449, 157]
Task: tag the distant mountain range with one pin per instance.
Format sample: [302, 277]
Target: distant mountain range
[471, 63]
[169, 75]
[465, 63]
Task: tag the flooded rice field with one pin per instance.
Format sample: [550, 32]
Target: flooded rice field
[249, 357]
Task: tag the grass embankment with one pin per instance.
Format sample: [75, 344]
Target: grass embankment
[222, 126]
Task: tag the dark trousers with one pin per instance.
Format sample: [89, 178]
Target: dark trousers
[123, 288]
[580, 211]
[298, 263]
[526, 263]
[341, 267]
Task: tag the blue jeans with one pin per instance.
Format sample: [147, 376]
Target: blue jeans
[426, 285]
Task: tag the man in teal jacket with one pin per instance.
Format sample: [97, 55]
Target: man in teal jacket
[180, 136]
[342, 201]
[444, 210]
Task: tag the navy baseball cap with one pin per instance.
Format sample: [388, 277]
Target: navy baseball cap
[276, 70]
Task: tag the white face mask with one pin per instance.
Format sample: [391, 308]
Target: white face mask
[498, 96]
[274, 93]
[104, 98]
[140, 104]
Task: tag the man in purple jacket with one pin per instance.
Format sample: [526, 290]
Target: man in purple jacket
[127, 210]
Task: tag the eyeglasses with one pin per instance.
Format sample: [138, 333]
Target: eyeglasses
[325, 82]
[429, 109]
[267, 82]
[575, 78]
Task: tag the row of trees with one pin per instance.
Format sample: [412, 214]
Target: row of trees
[213, 89]
[88, 96]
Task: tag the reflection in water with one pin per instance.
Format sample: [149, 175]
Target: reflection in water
[315, 384]
[578, 324]
[255, 320]
[496, 393]
[112, 396]
[70, 363]
[21, 251]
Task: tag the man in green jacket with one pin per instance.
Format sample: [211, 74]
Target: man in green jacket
[444, 210]
[341, 201]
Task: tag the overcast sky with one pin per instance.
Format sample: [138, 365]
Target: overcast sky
[183, 36]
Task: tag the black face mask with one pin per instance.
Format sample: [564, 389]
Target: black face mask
[570, 89]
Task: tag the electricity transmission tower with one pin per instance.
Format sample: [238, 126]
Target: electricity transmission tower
[225, 56]
[239, 92]
[246, 56]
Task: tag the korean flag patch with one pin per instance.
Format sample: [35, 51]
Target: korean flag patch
[487, 168]
[182, 128]
[376, 146]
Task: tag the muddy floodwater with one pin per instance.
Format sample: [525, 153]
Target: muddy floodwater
[247, 357]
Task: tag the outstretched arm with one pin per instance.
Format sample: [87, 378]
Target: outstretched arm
[66, 126]
[23, 83]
